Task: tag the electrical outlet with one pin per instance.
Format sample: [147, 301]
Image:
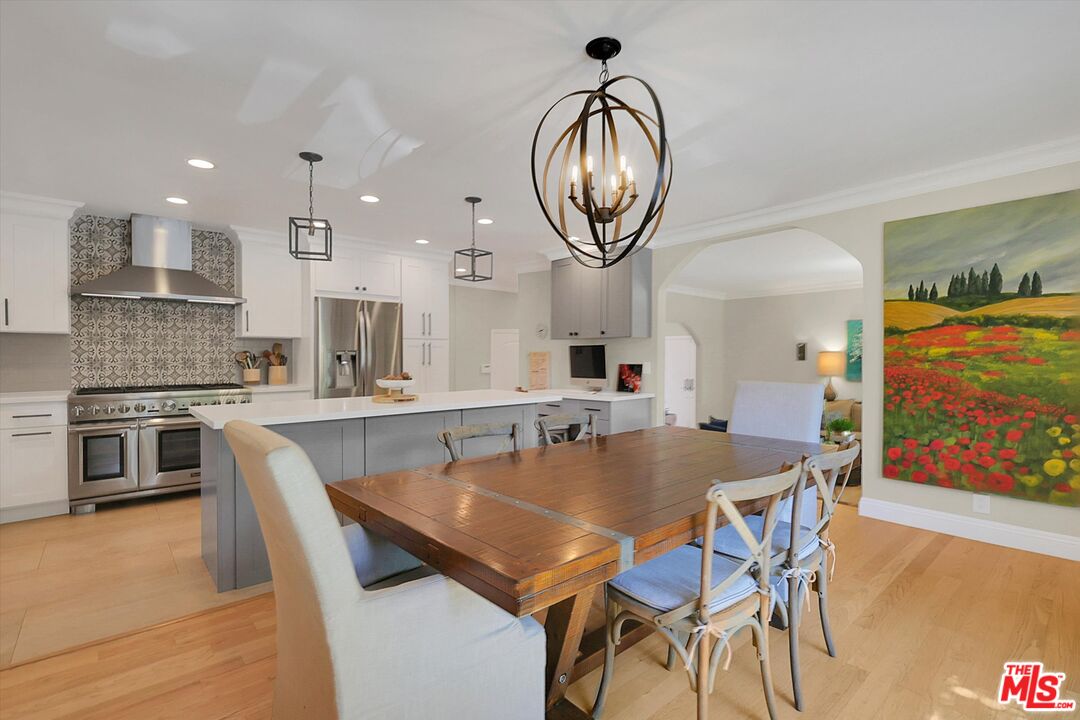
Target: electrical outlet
[980, 504]
[485, 369]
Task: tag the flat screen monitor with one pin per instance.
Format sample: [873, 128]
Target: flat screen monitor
[588, 366]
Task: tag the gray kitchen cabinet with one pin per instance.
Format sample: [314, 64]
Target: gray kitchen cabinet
[587, 303]
[397, 442]
[523, 415]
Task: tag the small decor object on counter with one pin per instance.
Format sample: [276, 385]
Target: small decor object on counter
[629, 378]
[841, 429]
[276, 362]
[395, 386]
[249, 365]
[539, 362]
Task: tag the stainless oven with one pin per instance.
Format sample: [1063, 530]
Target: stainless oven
[103, 459]
[168, 452]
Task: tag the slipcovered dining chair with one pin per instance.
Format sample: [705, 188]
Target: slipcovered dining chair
[409, 650]
[557, 428]
[702, 595]
[510, 432]
[783, 410]
[801, 552]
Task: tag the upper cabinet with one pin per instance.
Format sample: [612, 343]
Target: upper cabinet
[357, 271]
[270, 279]
[34, 273]
[602, 304]
[425, 298]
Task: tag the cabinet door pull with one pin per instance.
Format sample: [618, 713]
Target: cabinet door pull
[19, 417]
[44, 432]
[7, 321]
[247, 320]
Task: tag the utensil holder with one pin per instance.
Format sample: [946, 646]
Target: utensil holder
[277, 375]
[252, 376]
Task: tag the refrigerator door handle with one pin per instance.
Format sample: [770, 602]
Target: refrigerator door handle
[362, 350]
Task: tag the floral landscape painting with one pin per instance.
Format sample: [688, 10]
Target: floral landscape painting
[982, 349]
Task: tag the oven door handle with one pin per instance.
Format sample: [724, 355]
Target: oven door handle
[168, 421]
[88, 429]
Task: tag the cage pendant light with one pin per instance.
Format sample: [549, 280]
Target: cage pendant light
[471, 263]
[311, 238]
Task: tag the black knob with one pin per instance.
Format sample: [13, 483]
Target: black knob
[364, 288]
[603, 332]
[356, 287]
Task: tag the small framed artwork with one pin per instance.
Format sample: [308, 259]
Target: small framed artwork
[629, 377]
[853, 370]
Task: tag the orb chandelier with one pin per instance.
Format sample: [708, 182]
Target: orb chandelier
[311, 238]
[471, 263]
[586, 181]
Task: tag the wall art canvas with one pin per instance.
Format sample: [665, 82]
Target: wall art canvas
[982, 349]
[853, 367]
[629, 377]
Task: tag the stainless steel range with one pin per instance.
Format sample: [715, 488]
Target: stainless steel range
[126, 442]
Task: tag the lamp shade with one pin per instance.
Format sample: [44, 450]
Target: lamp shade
[830, 363]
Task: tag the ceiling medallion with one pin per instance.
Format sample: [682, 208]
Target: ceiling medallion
[592, 174]
[310, 238]
[471, 263]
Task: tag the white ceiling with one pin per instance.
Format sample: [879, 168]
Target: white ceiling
[748, 267]
[424, 103]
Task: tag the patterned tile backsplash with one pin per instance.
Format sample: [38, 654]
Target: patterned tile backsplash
[147, 342]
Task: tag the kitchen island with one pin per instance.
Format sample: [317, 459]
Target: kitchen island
[345, 438]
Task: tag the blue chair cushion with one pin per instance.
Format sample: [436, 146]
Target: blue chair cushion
[672, 580]
[730, 543]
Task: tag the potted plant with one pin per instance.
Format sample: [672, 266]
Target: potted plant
[841, 429]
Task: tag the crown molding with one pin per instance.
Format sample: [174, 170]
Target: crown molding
[38, 206]
[991, 167]
[533, 266]
[775, 292]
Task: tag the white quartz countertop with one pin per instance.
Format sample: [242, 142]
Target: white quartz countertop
[301, 411]
[269, 389]
[602, 396]
[38, 396]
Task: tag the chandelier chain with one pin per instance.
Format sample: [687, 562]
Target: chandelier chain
[603, 72]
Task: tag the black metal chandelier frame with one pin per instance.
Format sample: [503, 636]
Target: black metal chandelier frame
[602, 249]
[472, 257]
[304, 230]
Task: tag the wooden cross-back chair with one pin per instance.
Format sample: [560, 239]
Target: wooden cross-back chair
[701, 595]
[452, 436]
[557, 428]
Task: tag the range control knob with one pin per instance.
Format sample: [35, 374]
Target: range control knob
[140, 407]
[195, 403]
[125, 408]
[94, 409]
[168, 406]
[110, 409]
[215, 402]
[77, 410]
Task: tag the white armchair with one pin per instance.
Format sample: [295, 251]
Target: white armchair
[415, 649]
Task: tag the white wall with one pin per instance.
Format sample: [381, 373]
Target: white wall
[859, 231]
[754, 339]
[474, 313]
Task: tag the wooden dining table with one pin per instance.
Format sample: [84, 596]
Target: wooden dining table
[545, 528]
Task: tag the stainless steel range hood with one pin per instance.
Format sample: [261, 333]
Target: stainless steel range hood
[160, 267]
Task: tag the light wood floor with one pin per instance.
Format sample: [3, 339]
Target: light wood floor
[923, 623]
[71, 579]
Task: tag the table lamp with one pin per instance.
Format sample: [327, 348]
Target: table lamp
[830, 363]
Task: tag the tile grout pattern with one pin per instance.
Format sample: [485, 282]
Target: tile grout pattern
[147, 342]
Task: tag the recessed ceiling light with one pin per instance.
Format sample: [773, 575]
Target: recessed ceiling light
[369, 198]
[201, 164]
[176, 200]
[484, 221]
[421, 241]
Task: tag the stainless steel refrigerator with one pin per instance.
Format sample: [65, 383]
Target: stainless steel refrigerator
[356, 341]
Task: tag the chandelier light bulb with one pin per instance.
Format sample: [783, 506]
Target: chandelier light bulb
[588, 163]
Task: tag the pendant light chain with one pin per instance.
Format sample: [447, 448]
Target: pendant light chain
[311, 198]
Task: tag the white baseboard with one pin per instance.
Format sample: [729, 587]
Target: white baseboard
[33, 512]
[988, 531]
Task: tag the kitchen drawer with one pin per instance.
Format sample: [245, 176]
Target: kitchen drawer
[600, 410]
[553, 408]
[27, 415]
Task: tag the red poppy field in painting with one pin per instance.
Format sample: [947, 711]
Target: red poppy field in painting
[985, 407]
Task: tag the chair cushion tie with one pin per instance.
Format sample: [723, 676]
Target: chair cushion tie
[803, 579]
[696, 634]
[830, 552]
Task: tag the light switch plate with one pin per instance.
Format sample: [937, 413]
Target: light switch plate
[980, 504]
[485, 369]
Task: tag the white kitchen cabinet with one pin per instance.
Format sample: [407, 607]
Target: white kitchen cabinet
[428, 361]
[270, 279]
[425, 298]
[33, 460]
[355, 271]
[34, 273]
[601, 304]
